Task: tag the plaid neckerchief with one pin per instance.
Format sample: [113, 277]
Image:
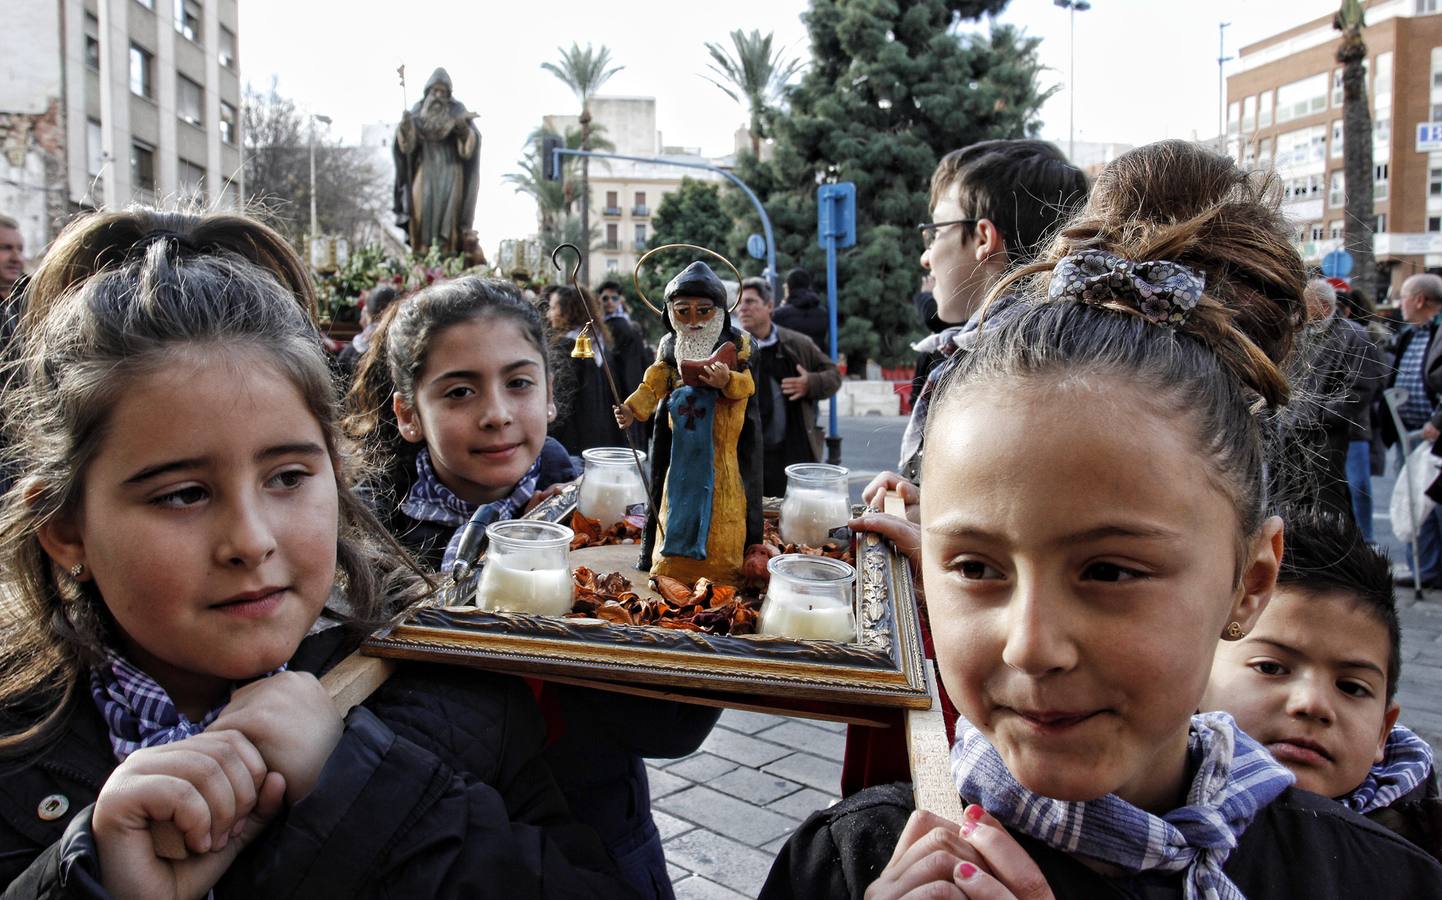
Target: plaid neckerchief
[499, 510]
[1406, 763]
[431, 501]
[137, 711]
[1235, 779]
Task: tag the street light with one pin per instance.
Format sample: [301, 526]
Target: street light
[314, 231]
[1072, 7]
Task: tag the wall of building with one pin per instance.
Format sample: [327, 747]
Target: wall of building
[32, 134]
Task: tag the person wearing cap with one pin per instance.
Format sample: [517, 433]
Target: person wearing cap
[706, 452]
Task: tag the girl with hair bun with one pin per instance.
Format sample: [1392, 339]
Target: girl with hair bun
[1096, 523]
[184, 556]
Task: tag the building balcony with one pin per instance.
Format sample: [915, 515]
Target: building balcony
[611, 211]
[640, 212]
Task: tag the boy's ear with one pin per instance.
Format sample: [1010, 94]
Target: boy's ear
[61, 541]
[407, 420]
[1259, 575]
[1389, 720]
[989, 241]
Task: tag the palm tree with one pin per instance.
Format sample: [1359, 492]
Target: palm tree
[554, 199]
[584, 71]
[754, 76]
[1356, 148]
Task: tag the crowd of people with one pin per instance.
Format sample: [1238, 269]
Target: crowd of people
[1168, 648]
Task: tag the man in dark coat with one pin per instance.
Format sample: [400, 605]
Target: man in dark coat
[792, 375]
[1417, 369]
[803, 310]
[437, 155]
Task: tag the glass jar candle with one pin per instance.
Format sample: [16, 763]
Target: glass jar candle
[528, 568]
[610, 484]
[816, 502]
[809, 598]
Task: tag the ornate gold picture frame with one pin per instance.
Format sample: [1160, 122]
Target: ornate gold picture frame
[884, 667]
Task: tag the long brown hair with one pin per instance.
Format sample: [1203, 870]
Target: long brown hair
[118, 295]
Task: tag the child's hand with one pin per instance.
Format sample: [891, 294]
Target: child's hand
[1007, 871]
[874, 494]
[624, 415]
[929, 852]
[715, 375]
[213, 786]
[292, 722]
[904, 534]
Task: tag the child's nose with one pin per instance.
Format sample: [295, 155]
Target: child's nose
[495, 414]
[247, 538]
[1037, 640]
[1311, 698]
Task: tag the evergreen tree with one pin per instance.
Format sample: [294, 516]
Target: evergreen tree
[691, 214]
[891, 87]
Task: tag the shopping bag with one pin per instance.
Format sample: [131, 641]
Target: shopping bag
[1410, 503]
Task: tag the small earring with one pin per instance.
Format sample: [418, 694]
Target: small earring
[77, 570]
[1235, 632]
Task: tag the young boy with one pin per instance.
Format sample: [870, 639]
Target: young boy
[1316, 681]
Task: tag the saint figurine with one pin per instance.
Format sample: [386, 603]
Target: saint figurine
[437, 156]
[706, 449]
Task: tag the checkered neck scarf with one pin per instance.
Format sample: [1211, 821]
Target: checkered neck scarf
[1236, 778]
[431, 501]
[1406, 763]
[138, 712]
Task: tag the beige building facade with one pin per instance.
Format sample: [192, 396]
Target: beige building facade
[626, 194]
[111, 102]
[1284, 112]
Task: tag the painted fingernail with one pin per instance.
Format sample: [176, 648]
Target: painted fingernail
[966, 871]
[237, 828]
[968, 827]
[974, 812]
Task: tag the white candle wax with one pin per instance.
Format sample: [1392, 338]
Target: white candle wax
[807, 515]
[818, 617]
[605, 494]
[546, 592]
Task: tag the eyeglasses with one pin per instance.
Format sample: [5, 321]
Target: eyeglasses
[929, 229]
[689, 313]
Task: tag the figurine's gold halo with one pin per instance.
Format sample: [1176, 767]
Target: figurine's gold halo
[636, 273]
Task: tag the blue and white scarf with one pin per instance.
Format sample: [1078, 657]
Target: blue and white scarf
[1406, 763]
[138, 712]
[1235, 779]
[431, 501]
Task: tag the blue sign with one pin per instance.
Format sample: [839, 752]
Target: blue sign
[836, 214]
[756, 246]
[1337, 264]
[1429, 136]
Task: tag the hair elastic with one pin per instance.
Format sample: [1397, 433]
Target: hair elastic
[1164, 292]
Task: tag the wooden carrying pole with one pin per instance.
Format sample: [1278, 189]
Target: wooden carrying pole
[352, 680]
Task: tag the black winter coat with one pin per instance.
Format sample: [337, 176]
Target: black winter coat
[1300, 846]
[805, 311]
[436, 789]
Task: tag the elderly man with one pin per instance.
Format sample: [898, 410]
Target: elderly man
[1417, 368]
[792, 374]
[12, 256]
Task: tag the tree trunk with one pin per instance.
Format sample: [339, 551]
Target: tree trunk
[586, 195]
[1357, 165]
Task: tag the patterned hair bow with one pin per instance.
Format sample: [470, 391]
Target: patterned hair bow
[1164, 292]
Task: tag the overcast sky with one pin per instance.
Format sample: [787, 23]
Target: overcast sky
[1145, 69]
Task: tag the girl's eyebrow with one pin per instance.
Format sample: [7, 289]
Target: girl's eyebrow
[1151, 532]
[471, 373]
[298, 448]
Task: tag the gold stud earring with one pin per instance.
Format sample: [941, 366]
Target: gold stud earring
[77, 570]
[1235, 632]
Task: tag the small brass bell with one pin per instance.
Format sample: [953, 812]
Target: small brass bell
[583, 350]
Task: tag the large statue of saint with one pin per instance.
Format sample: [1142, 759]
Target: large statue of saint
[437, 155]
[706, 447]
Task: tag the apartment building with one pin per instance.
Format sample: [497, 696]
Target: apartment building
[625, 194]
[111, 102]
[1284, 112]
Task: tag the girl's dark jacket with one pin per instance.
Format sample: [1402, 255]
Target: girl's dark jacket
[1300, 846]
[436, 789]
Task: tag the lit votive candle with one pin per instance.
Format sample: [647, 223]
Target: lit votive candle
[611, 484]
[527, 568]
[809, 598]
[815, 503]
